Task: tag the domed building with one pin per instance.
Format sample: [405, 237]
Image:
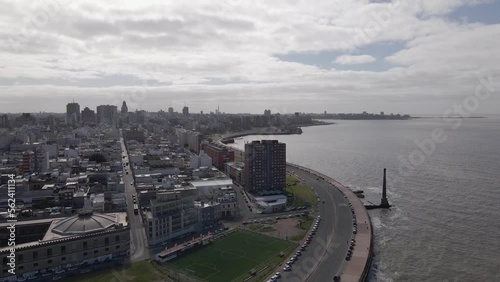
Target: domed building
[78, 244]
[86, 222]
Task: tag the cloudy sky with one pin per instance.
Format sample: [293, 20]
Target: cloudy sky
[417, 57]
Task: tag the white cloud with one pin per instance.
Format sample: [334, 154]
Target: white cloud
[208, 50]
[354, 60]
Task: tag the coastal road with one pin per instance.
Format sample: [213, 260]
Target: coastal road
[325, 256]
[138, 241]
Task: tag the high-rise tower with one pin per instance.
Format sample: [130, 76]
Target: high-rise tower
[265, 165]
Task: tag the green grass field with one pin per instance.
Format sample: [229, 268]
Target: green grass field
[232, 257]
[301, 194]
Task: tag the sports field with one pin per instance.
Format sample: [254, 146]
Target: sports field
[230, 257]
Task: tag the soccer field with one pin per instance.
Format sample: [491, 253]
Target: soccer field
[230, 257]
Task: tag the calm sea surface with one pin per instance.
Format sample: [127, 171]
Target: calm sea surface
[445, 224]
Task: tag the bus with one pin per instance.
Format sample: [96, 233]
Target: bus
[136, 209]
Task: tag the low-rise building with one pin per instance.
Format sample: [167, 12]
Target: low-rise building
[271, 203]
[84, 241]
[219, 154]
[209, 214]
[236, 170]
[210, 188]
[172, 215]
[202, 160]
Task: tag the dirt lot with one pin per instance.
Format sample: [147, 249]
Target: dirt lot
[282, 228]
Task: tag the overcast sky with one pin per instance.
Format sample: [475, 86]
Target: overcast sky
[416, 57]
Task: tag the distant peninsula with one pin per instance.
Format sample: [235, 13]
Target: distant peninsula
[361, 116]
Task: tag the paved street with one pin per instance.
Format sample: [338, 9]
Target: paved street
[138, 241]
[325, 255]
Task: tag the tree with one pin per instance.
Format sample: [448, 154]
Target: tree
[98, 158]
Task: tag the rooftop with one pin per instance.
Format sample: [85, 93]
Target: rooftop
[212, 182]
[83, 223]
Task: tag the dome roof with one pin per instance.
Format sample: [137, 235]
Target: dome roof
[84, 223]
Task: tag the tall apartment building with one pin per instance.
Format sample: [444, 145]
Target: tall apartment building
[34, 161]
[107, 114]
[4, 121]
[265, 166]
[191, 139]
[72, 113]
[27, 164]
[173, 215]
[25, 119]
[88, 116]
[194, 139]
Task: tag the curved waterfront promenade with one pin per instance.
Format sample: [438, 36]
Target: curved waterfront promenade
[358, 267]
[331, 261]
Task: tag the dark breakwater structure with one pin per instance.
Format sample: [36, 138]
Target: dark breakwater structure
[384, 203]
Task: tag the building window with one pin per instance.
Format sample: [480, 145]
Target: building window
[49, 252]
[96, 251]
[85, 245]
[106, 250]
[63, 259]
[20, 258]
[35, 254]
[21, 267]
[49, 261]
[117, 238]
[63, 249]
[106, 241]
[117, 247]
[85, 254]
[35, 264]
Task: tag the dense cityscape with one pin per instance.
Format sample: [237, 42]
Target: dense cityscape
[249, 141]
[108, 188]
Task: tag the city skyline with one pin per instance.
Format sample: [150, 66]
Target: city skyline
[418, 58]
[202, 111]
[236, 140]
